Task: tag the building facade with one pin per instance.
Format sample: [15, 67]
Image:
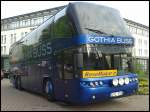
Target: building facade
[15, 28]
[141, 48]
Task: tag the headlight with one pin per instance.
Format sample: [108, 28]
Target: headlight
[100, 82]
[121, 81]
[115, 82]
[133, 79]
[130, 79]
[92, 84]
[136, 79]
[126, 80]
[96, 83]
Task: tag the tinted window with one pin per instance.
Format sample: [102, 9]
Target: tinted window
[65, 64]
[62, 25]
[68, 64]
[100, 19]
[16, 55]
[45, 31]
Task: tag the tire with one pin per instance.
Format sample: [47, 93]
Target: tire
[15, 82]
[19, 83]
[48, 90]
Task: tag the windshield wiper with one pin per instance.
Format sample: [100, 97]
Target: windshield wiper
[98, 31]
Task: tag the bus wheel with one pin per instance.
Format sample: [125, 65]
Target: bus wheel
[19, 83]
[15, 85]
[48, 90]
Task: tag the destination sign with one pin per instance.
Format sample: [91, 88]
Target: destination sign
[110, 40]
[84, 39]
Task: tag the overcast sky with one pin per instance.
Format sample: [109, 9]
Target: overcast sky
[137, 11]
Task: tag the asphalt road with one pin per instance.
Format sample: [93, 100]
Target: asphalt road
[15, 100]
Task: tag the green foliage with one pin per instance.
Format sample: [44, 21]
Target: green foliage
[143, 78]
[138, 69]
[143, 91]
[143, 86]
[143, 82]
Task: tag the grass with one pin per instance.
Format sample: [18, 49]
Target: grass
[143, 85]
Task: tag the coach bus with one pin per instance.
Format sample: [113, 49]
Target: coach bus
[80, 55]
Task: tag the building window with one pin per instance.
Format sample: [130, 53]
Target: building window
[2, 27]
[17, 24]
[34, 21]
[45, 18]
[8, 26]
[145, 43]
[11, 36]
[5, 26]
[2, 39]
[146, 33]
[22, 34]
[140, 42]
[1, 49]
[21, 23]
[145, 52]
[140, 52]
[26, 23]
[134, 51]
[128, 27]
[139, 31]
[14, 24]
[4, 49]
[15, 37]
[26, 33]
[133, 29]
[40, 20]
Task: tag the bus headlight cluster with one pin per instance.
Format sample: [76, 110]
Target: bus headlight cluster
[122, 81]
[133, 79]
[119, 81]
[126, 80]
[96, 83]
[92, 84]
[115, 82]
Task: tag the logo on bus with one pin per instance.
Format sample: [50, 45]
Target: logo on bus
[41, 50]
[98, 73]
[110, 40]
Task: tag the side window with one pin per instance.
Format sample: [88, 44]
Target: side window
[68, 64]
[65, 65]
[16, 55]
[62, 26]
[45, 31]
[60, 64]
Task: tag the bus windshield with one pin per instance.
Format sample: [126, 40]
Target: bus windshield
[103, 57]
[102, 21]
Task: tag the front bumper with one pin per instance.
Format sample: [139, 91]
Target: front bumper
[90, 95]
[102, 93]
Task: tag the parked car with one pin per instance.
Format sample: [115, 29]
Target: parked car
[6, 73]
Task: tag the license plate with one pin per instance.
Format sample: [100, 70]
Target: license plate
[116, 94]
